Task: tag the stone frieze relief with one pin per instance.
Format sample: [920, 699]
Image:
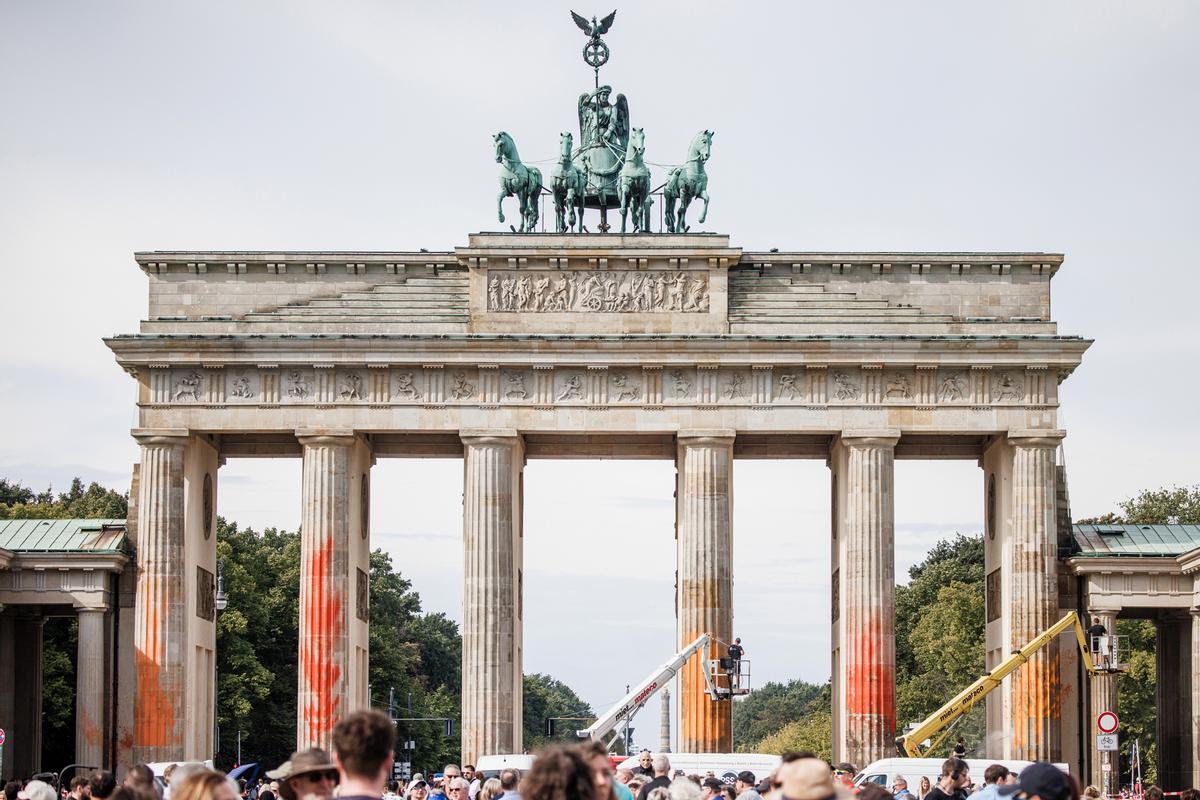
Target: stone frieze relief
[553, 385]
[613, 292]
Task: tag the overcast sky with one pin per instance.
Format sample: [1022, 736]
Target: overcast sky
[1067, 127]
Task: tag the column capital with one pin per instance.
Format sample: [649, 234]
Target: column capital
[1103, 612]
[884, 437]
[1036, 438]
[161, 437]
[337, 437]
[706, 436]
[507, 437]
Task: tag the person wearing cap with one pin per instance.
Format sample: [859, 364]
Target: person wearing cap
[418, 790]
[806, 779]
[955, 777]
[308, 775]
[710, 788]
[37, 790]
[1040, 781]
[745, 786]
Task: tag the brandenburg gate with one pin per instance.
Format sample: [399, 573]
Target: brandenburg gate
[516, 346]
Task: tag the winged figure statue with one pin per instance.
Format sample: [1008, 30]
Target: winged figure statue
[594, 29]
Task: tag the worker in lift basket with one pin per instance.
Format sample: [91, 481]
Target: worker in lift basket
[1095, 633]
[735, 663]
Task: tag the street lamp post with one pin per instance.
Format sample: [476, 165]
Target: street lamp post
[222, 602]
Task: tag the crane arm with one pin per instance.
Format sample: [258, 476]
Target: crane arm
[937, 725]
[631, 703]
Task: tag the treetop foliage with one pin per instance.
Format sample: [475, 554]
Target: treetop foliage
[546, 697]
[95, 502]
[1177, 505]
[771, 707]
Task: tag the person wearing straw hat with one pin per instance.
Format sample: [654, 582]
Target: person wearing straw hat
[309, 774]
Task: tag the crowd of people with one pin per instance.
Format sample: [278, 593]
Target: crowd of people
[1040, 781]
[360, 768]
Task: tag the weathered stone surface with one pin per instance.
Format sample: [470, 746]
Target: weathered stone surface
[492, 602]
[160, 635]
[333, 635]
[705, 576]
[1035, 688]
[864, 569]
[92, 684]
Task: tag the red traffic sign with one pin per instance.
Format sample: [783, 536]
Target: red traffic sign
[1106, 722]
[1, 736]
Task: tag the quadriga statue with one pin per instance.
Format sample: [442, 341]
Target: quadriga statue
[687, 182]
[517, 179]
[568, 184]
[634, 183]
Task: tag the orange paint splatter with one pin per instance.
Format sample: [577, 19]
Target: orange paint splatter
[92, 733]
[1036, 703]
[870, 674]
[321, 652]
[154, 707]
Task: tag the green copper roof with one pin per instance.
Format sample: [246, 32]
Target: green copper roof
[63, 535]
[1135, 540]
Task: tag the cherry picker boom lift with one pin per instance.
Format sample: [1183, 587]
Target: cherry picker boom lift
[939, 724]
[623, 711]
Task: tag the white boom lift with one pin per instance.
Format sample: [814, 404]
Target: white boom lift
[622, 713]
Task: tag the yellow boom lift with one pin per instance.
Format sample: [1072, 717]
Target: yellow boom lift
[939, 724]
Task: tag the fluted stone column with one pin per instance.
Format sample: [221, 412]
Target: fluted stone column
[493, 464]
[704, 530]
[1103, 697]
[1035, 691]
[26, 730]
[160, 634]
[91, 687]
[333, 615]
[1175, 720]
[1195, 692]
[865, 701]
[8, 686]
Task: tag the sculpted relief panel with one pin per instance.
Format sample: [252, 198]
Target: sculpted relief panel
[548, 385]
[614, 292]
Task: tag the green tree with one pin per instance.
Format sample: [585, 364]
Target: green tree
[813, 732]
[947, 646]
[60, 637]
[1178, 505]
[547, 697]
[94, 502]
[951, 560]
[771, 707]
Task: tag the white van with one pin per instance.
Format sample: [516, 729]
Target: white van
[885, 771]
[725, 766]
[491, 766]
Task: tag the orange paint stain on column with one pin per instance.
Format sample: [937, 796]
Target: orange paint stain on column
[321, 656]
[154, 721]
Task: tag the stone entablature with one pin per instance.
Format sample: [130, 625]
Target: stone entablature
[1114, 583]
[80, 580]
[678, 384]
[690, 283]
